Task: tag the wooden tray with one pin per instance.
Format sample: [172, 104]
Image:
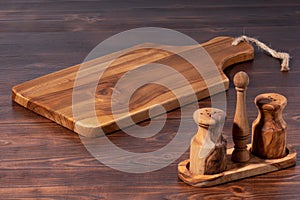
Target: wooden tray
[51, 95]
[236, 171]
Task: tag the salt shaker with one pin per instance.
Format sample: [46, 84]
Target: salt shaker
[269, 128]
[208, 147]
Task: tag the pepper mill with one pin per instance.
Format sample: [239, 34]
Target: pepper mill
[240, 129]
[208, 147]
[269, 128]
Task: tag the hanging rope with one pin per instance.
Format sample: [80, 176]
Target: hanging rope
[285, 57]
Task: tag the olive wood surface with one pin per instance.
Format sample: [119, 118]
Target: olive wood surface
[235, 171]
[51, 95]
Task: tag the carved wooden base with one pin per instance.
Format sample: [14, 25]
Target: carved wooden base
[235, 171]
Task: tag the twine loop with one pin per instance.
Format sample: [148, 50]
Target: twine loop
[285, 57]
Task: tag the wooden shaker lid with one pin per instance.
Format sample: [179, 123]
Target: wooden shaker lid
[209, 116]
[270, 101]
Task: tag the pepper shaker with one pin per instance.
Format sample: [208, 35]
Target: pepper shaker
[269, 128]
[208, 147]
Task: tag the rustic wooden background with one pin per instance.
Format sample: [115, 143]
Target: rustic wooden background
[40, 159]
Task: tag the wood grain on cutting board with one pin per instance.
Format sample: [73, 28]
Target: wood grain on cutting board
[51, 95]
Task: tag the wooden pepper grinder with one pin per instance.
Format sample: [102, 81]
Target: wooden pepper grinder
[240, 129]
[269, 128]
[208, 147]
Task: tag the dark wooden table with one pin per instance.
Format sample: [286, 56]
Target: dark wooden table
[42, 160]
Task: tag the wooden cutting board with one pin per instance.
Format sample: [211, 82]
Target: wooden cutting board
[51, 95]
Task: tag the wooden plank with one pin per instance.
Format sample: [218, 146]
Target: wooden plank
[51, 95]
[235, 171]
[28, 38]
